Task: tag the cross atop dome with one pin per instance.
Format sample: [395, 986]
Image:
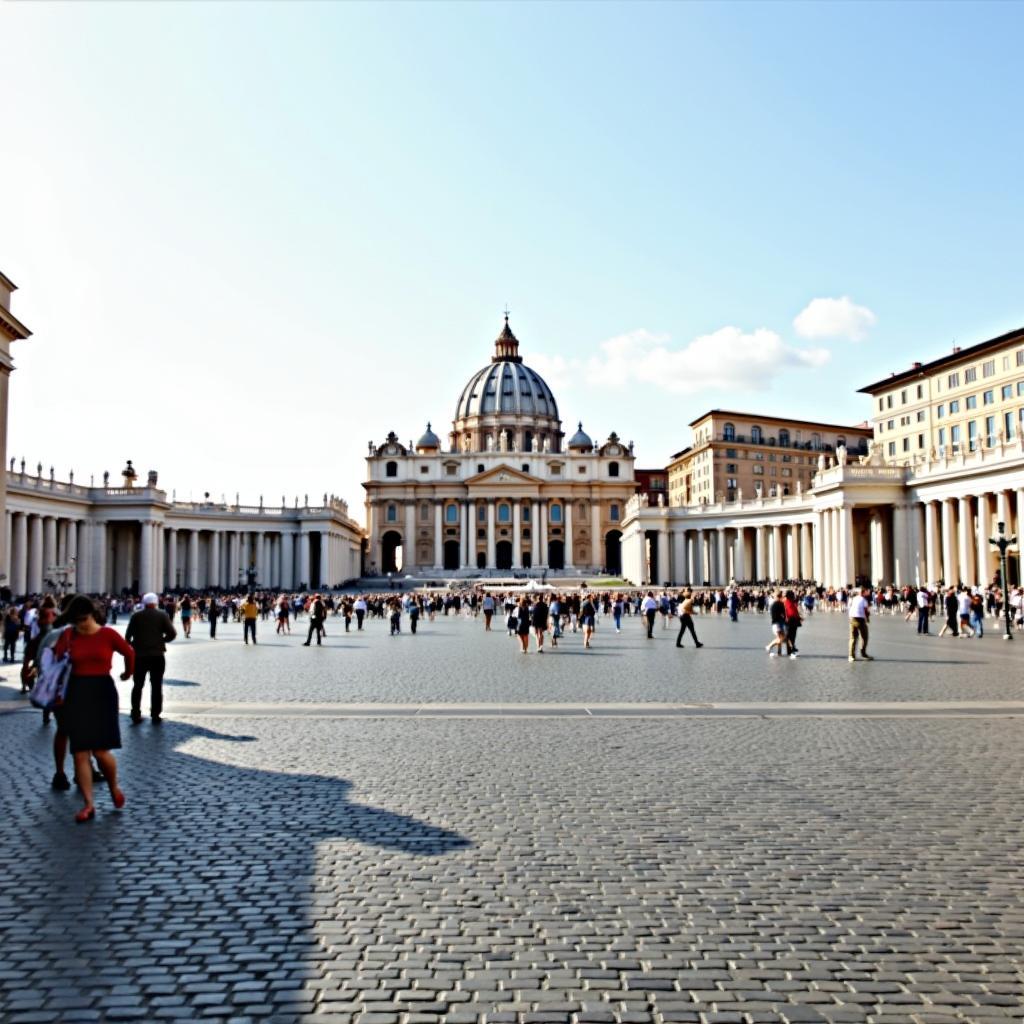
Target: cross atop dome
[506, 345]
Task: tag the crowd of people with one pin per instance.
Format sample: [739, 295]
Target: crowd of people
[80, 629]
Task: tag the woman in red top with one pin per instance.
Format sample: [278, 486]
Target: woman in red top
[90, 705]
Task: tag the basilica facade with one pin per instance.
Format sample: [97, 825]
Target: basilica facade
[508, 492]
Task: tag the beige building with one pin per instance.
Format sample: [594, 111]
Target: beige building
[509, 494]
[970, 400]
[11, 329]
[736, 454]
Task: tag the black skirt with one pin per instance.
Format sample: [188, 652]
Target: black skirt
[90, 714]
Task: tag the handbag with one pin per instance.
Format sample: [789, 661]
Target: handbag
[52, 681]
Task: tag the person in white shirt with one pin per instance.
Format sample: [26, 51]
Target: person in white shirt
[922, 610]
[859, 614]
[650, 609]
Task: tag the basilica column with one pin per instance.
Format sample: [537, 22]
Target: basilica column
[35, 555]
[543, 513]
[984, 548]
[950, 571]
[517, 535]
[438, 535]
[19, 554]
[464, 547]
[931, 533]
[596, 559]
[193, 559]
[490, 534]
[536, 558]
[965, 541]
[570, 561]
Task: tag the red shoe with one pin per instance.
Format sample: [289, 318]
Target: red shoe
[85, 814]
[118, 798]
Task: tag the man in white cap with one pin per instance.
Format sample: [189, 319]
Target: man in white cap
[149, 631]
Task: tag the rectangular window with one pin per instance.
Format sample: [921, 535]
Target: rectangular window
[940, 411]
[1020, 388]
[891, 425]
[988, 368]
[881, 405]
[920, 391]
[954, 406]
[970, 374]
[972, 436]
[990, 431]
[972, 402]
[1007, 392]
[942, 440]
[888, 401]
[903, 397]
[892, 447]
[613, 514]
[920, 441]
[786, 471]
[906, 444]
[954, 381]
[1008, 430]
[1020, 357]
[988, 398]
[1006, 362]
[920, 415]
[954, 437]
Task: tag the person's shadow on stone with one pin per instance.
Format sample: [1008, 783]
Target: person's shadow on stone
[214, 882]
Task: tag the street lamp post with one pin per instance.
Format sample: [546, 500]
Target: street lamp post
[1002, 542]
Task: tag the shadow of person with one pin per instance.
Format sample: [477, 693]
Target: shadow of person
[220, 876]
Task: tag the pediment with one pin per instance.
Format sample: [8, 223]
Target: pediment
[504, 474]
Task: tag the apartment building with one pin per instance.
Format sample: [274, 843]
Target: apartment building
[737, 454]
[969, 400]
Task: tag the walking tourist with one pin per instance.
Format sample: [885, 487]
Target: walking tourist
[686, 619]
[859, 614]
[249, 611]
[90, 705]
[777, 615]
[149, 631]
[539, 616]
[588, 618]
[317, 615]
[650, 609]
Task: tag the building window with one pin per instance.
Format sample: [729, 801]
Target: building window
[504, 513]
[903, 397]
[556, 470]
[972, 436]
[1007, 391]
[1020, 388]
[940, 411]
[954, 438]
[730, 453]
[424, 512]
[906, 444]
[954, 380]
[758, 470]
[988, 369]
[731, 467]
[784, 438]
[479, 467]
[971, 402]
[527, 440]
[990, 431]
[892, 447]
[881, 405]
[920, 441]
[988, 398]
[729, 432]
[613, 469]
[920, 391]
[481, 514]
[1010, 432]
[451, 470]
[954, 406]
[392, 515]
[556, 513]
[786, 471]
[970, 374]
[451, 514]
[613, 513]
[391, 469]
[888, 401]
[526, 513]
[756, 435]
[816, 442]
[942, 440]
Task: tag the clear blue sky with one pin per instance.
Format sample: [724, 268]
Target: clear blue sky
[249, 238]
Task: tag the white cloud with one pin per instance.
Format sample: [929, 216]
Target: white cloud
[834, 318]
[728, 359]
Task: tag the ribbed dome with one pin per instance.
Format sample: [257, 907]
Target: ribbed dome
[429, 439]
[506, 387]
[580, 439]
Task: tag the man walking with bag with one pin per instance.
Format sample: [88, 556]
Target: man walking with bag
[317, 614]
[149, 631]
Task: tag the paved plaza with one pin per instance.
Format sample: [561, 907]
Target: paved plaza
[437, 828]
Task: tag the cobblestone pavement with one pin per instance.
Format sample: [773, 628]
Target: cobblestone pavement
[454, 660]
[542, 869]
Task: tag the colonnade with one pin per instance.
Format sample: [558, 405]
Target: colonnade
[102, 556]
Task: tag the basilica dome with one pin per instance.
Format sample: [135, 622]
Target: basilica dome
[506, 403]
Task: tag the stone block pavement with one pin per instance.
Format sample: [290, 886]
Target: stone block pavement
[538, 868]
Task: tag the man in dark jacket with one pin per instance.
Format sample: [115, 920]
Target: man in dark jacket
[149, 630]
[317, 615]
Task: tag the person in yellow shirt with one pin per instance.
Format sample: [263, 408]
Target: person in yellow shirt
[250, 612]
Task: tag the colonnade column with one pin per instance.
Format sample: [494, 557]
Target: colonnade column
[877, 551]
[596, 558]
[438, 535]
[680, 570]
[569, 560]
[761, 533]
[776, 569]
[214, 576]
[49, 544]
[949, 566]
[19, 553]
[697, 558]
[965, 522]
[304, 558]
[145, 567]
[984, 548]
[846, 544]
[35, 555]
[663, 566]
[723, 565]
[287, 560]
[71, 549]
[408, 538]
[806, 554]
[490, 534]
[99, 549]
[901, 574]
[193, 559]
[931, 542]
[739, 555]
[817, 554]
[172, 557]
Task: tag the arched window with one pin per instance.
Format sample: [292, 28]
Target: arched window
[479, 467]
[526, 513]
[613, 469]
[756, 435]
[391, 469]
[784, 438]
[392, 514]
[528, 441]
[504, 514]
[556, 513]
[451, 514]
[729, 432]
